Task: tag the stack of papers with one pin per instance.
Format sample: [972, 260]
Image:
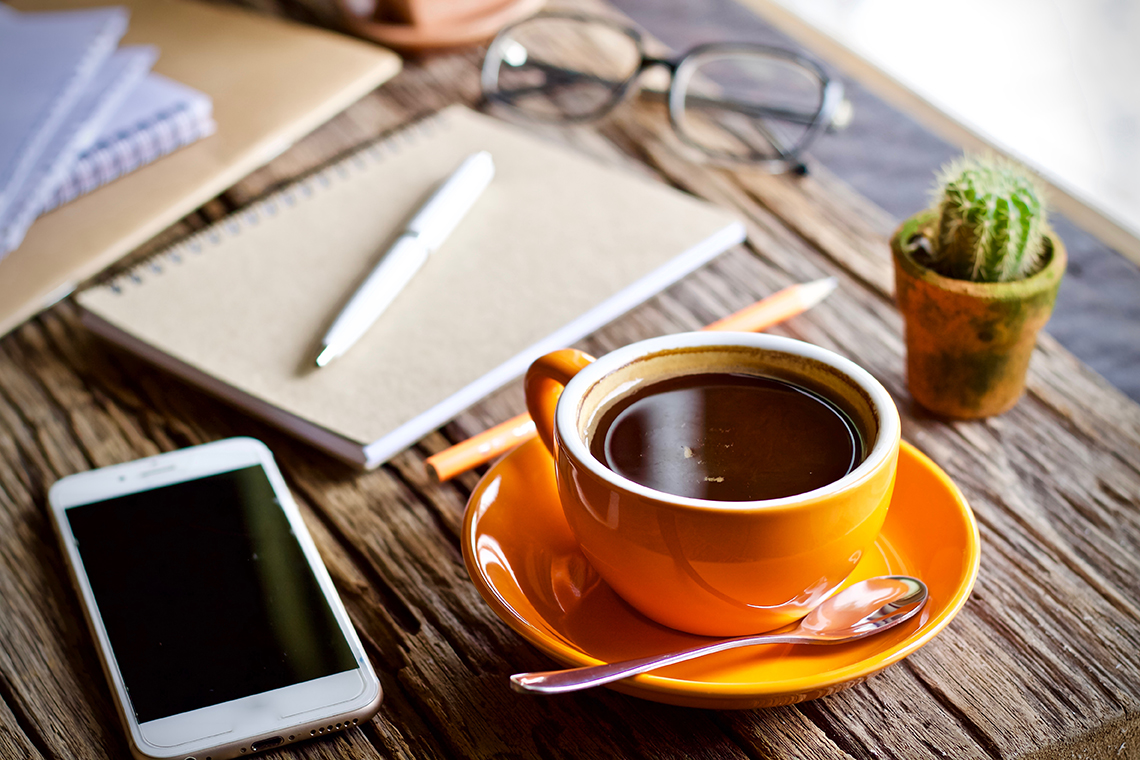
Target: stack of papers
[80, 111]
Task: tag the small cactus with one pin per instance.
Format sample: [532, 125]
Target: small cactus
[991, 223]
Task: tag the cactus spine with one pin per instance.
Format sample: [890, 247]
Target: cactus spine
[991, 221]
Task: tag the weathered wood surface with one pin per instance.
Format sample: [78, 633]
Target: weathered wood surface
[1044, 659]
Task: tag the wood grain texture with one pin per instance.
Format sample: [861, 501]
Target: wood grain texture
[1044, 661]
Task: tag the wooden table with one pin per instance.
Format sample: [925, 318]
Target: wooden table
[1043, 661]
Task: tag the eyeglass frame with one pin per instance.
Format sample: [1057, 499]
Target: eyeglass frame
[680, 69]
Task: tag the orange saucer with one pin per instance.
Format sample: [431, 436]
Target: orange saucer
[524, 560]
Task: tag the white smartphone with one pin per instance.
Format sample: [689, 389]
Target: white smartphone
[217, 624]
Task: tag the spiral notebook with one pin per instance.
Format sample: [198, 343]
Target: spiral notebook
[158, 117]
[121, 73]
[557, 246]
[46, 63]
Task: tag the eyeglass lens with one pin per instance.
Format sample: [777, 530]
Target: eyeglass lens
[557, 68]
[747, 105]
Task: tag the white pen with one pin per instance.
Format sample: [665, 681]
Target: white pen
[423, 235]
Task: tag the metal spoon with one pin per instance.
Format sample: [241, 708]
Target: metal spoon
[863, 609]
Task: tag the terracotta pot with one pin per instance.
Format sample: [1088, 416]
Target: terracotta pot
[968, 343]
[425, 25]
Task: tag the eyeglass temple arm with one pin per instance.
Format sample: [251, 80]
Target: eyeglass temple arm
[569, 76]
[785, 153]
[747, 109]
[565, 77]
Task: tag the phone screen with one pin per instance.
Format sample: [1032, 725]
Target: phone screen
[205, 593]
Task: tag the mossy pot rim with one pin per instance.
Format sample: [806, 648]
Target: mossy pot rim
[923, 222]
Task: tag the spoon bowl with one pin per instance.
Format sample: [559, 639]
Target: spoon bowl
[860, 610]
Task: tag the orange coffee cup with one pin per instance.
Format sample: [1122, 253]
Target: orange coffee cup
[716, 568]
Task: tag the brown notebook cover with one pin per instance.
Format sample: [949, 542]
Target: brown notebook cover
[556, 246]
[271, 81]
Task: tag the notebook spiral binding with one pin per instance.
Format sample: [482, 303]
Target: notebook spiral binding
[129, 149]
[360, 159]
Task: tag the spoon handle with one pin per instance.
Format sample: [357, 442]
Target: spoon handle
[862, 609]
[573, 679]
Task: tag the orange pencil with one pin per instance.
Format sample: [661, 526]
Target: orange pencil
[482, 448]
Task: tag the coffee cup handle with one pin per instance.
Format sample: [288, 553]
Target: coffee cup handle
[544, 383]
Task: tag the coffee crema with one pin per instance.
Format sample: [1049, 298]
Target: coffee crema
[727, 436]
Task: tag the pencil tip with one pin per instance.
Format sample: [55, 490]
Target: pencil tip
[326, 356]
[814, 292]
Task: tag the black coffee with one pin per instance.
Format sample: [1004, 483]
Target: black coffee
[728, 437]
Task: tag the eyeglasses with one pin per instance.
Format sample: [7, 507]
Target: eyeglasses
[732, 101]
